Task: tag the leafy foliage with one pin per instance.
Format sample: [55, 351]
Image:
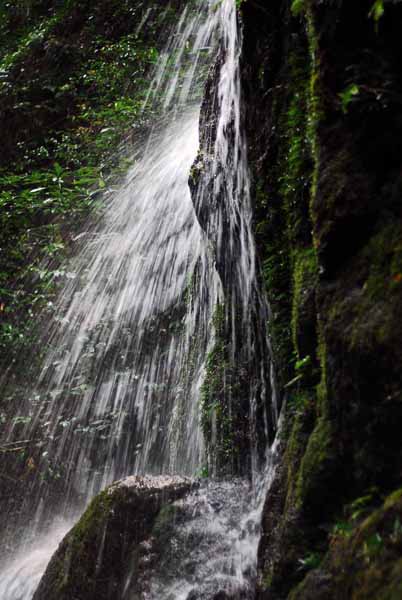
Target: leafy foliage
[297, 7]
[377, 10]
[348, 95]
[70, 91]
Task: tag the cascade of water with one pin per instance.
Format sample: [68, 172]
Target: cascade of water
[212, 551]
[115, 394]
[108, 396]
[19, 579]
[119, 388]
[223, 204]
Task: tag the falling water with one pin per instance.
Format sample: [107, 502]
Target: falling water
[212, 551]
[19, 579]
[119, 389]
[222, 201]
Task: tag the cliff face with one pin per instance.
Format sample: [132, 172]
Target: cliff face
[322, 86]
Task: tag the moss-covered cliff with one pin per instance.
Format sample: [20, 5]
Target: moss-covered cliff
[322, 106]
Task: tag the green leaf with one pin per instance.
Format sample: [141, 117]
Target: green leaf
[348, 95]
[58, 169]
[297, 7]
[377, 10]
[302, 363]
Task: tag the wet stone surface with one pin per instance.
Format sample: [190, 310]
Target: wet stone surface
[108, 542]
[203, 546]
[147, 538]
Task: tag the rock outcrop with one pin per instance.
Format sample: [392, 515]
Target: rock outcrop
[322, 91]
[107, 551]
[361, 563]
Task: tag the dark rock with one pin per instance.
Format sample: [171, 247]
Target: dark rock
[234, 369]
[363, 563]
[326, 178]
[110, 540]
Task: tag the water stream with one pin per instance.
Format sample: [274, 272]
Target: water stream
[118, 391]
[212, 552]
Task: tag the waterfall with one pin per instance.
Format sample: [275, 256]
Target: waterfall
[125, 369]
[238, 426]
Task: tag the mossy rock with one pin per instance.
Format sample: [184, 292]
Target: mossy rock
[316, 465]
[97, 555]
[364, 564]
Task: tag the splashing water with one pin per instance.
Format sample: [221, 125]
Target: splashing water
[212, 552]
[110, 394]
[21, 577]
[119, 388]
[222, 201]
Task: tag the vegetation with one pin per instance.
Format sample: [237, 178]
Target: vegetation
[326, 229]
[70, 91]
[73, 80]
[323, 97]
[216, 415]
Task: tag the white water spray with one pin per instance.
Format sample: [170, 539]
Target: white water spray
[119, 389]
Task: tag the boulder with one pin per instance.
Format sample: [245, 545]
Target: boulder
[103, 553]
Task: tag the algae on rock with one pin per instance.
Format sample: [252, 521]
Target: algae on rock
[328, 227]
[106, 547]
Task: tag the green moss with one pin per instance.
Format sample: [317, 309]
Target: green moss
[365, 563]
[93, 519]
[164, 522]
[322, 388]
[276, 272]
[368, 316]
[305, 275]
[302, 406]
[292, 268]
[351, 400]
[73, 568]
[315, 108]
[266, 581]
[383, 254]
[394, 499]
[94, 558]
[285, 231]
[295, 162]
[314, 469]
[297, 7]
[216, 415]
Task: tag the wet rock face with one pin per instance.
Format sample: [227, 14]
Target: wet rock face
[160, 538]
[239, 362]
[111, 540]
[328, 229]
[366, 563]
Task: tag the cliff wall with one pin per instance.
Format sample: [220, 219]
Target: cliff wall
[322, 85]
